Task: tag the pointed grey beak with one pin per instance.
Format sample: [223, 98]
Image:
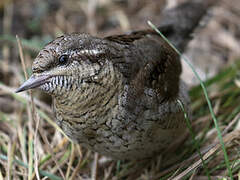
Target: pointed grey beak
[33, 82]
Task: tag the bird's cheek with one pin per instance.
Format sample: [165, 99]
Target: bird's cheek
[47, 88]
[50, 87]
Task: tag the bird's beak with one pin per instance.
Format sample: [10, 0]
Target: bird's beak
[33, 82]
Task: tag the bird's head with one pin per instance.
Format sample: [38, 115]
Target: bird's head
[68, 62]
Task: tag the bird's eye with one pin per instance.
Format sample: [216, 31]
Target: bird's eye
[63, 59]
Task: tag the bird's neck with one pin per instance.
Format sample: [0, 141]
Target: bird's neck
[92, 101]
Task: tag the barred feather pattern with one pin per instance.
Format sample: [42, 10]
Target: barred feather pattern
[117, 99]
[96, 115]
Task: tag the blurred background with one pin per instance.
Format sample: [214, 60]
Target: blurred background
[216, 45]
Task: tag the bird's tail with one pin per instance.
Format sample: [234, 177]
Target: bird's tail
[178, 23]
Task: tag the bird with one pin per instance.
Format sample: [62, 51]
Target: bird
[118, 95]
[115, 95]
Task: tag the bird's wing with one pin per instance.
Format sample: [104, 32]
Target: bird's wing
[148, 61]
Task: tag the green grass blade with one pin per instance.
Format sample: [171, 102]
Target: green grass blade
[196, 144]
[206, 96]
[43, 173]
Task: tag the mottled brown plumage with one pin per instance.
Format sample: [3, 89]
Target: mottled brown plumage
[117, 95]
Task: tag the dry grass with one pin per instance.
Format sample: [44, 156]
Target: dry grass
[33, 147]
